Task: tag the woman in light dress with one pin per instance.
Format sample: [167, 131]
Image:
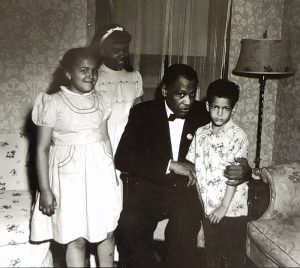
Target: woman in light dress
[118, 82]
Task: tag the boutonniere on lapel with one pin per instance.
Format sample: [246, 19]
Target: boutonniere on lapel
[189, 136]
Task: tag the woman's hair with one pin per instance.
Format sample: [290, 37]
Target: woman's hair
[111, 34]
[65, 64]
[223, 88]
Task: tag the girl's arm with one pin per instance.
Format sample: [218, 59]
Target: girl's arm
[220, 212]
[107, 142]
[47, 201]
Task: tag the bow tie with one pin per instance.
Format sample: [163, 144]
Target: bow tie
[172, 117]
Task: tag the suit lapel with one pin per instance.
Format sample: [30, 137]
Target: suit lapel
[186, 137]
[164, 131]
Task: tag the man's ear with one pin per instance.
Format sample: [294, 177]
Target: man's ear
[164, 90]
[207, 106]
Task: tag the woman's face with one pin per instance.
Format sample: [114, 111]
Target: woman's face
[83, 75]
[115, 55]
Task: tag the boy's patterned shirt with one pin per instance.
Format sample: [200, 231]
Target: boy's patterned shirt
[211, 153]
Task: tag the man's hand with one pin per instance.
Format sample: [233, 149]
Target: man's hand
[238, 174]
[184, 169]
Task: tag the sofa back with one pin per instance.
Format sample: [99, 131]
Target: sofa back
[284, 180]
[13, 162]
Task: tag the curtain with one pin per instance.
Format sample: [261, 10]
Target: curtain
[174, 31]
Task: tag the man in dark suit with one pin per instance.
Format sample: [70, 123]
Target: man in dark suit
[161, 183]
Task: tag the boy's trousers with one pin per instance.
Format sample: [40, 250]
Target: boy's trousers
[225, 240]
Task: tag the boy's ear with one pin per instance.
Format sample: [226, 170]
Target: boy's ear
[207, 106]
[164, 91]
[232, 111]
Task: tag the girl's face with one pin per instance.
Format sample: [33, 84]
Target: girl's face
[115, 55]
[220, 110]
[83, 75]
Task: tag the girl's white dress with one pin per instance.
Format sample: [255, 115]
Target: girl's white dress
[81, 170]
[121, 88]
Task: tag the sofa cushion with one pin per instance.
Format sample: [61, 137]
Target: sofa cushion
[15, 209]
[26, 255]
[285, 187]
[13, 155]
[278, 238]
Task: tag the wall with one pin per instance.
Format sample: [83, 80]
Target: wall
[287, 124]
[34, 34]
[250, 18]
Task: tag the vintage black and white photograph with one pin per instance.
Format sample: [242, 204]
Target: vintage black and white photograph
[150, 133]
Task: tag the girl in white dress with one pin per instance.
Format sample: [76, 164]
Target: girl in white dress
[78, 200]
[118, 82]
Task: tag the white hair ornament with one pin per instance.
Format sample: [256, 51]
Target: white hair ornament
[109, 32]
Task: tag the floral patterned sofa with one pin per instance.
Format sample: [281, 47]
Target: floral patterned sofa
[274, 239]
[15, 208]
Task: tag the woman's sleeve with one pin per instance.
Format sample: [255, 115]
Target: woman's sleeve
[105, 104]
[140, 91]
[44, 111]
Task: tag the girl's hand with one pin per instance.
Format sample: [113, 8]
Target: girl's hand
[47, 203]
[217, 215]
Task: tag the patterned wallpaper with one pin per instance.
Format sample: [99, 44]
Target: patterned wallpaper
[34, 34]
[287, 125]
[250, 18]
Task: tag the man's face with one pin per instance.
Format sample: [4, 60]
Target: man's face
[180, 96]
[115, 55]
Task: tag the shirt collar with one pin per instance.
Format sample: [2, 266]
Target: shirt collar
[106, 69]
[169, 111]
[65, 89]
[224, 129]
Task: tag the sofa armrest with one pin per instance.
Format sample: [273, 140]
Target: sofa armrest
[284, 181]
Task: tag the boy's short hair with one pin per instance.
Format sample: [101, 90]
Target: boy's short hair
[223, 88]
[172, 73]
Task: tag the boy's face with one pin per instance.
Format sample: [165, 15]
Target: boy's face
[115, 55]
[83, 75]
[180, 96]
[220, 110]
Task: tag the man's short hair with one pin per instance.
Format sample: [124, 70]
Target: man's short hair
[174, 71]
[223, 88]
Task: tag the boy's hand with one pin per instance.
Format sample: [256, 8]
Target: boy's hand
[47, 202]
[217, 215]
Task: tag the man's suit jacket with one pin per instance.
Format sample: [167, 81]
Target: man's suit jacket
[145, 146]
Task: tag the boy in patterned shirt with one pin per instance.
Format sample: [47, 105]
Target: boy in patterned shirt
[215, 146]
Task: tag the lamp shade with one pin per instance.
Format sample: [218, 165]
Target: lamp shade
[263, 57]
